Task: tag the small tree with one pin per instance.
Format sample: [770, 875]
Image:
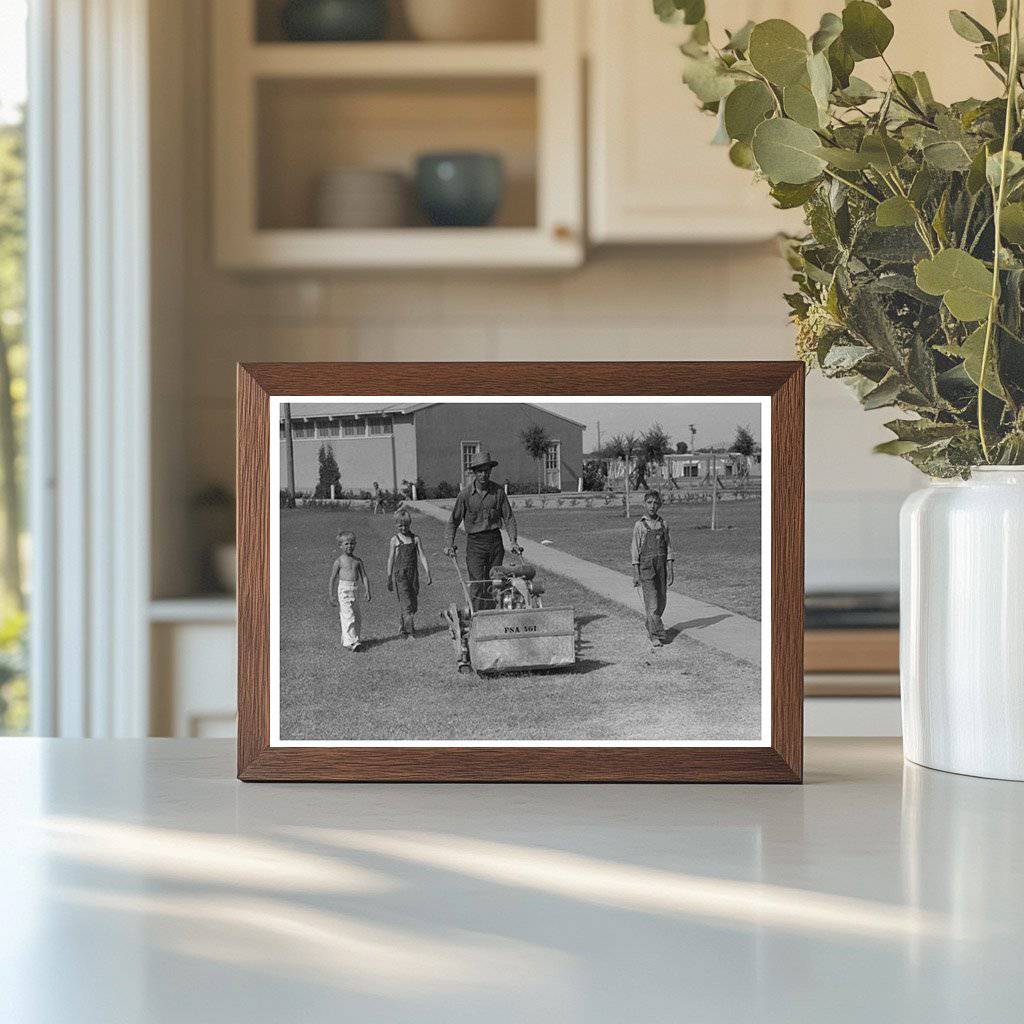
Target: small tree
[682, 447]
[330, 475]
[536, 441]
[654, 445]
[744, 442]
[624, 448]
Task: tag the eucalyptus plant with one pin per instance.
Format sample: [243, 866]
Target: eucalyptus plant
[910, 278]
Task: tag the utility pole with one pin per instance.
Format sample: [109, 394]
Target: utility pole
[289, 454]
[714, 487]
[599, 439]
[693, 438]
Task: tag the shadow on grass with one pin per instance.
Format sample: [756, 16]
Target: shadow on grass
[421, 634]
[680, 627]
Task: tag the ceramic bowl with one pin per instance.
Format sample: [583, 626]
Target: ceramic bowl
[470, 20]
[359, 197]
[460, 189]
[333, 21]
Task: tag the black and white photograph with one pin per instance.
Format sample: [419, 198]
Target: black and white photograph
[494, 571]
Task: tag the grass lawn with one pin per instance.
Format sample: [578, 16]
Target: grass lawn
[396, 689]
[722, 568]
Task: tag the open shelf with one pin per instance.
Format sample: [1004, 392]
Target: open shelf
[309, 127]
[286, 114]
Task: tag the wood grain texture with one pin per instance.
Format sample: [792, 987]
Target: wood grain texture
[852, 650]
[779, 762]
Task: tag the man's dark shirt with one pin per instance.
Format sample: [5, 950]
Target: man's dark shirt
[480, 512]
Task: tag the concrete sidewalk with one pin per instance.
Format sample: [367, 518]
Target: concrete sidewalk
[719, 628]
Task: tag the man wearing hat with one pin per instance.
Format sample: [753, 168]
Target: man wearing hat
[484, 508]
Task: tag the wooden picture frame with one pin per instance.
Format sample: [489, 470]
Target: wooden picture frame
[778, 759]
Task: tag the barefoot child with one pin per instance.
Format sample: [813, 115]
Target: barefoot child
[346, 575]
[653, 564]
[404, 559]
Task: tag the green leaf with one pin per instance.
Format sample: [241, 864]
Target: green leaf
[701, 34]
[895, 447]
[971, 351]
[739, 41]
[857, 91]
[690, 12]
[947, 156]
[895, 212]
[922, 185]
[779, 51]
[841, 63]
[829, 30]
[969, 28]
[707, 78]
[786, 151]
[788, 196]
[741, 155]
[976, 173]
[924, 88]
[1011, 226]
[922, 431]
[883, 152]
[993, 167]
[866, 29]
[885, 394]
[963, 281]
[999, 9]
[745, 108]
[801, 106]
[819, 75]
[844, 159]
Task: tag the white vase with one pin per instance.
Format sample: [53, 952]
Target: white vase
[962, 624]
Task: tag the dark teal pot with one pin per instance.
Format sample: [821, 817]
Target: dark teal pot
[460, 189]
[334, 21]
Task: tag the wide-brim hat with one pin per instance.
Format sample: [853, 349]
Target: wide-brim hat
[485, 463]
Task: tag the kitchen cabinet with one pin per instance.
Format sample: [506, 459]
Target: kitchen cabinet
[653, 175]
[288, 114]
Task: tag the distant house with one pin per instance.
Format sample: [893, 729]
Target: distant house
[693, 467]
[432, 442]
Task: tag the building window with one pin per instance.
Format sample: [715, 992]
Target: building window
[379, 425]
[553, 465]
[329, 428]
[691, 469]
[470, 450]
[303, 430]
[352, 427]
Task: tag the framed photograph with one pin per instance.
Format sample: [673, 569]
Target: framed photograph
[558, 572]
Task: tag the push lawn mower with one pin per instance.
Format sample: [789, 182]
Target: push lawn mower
[517, 634]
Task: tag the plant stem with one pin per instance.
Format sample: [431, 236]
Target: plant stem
[853, 185]
[1011, 108]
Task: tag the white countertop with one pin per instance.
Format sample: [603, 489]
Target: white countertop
[140, 882]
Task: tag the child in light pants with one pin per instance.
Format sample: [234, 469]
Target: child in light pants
[346, 575]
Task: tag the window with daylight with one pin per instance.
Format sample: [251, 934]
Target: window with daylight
[352, 427]
[303, 430]
[552, 457]
[470, 450]
[379, 425]
[328, 428]
[14, 537]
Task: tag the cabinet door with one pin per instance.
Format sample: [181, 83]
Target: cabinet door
[654, 177]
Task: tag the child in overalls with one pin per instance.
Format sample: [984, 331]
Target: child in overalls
[404, 559]
[653, 565]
